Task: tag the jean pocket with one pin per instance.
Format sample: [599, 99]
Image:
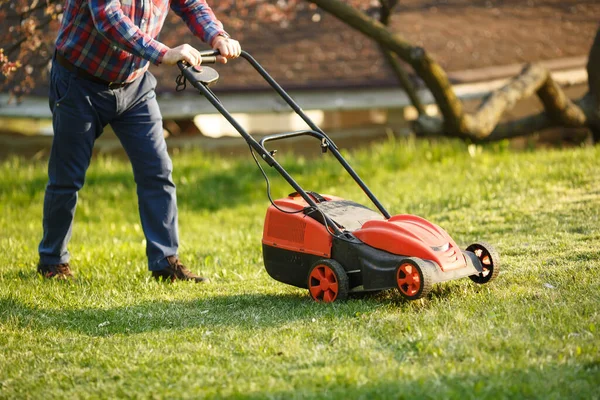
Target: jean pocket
[61, 82]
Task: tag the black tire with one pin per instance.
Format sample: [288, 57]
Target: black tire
[328, 281]
[489, 259]
[413, 278]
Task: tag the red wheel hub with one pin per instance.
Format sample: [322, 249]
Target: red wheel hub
[409, 280]
[323, 284]
[486, 262]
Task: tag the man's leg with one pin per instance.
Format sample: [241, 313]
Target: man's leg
[140, 130]
[76, 126]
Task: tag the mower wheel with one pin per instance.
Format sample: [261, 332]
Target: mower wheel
[413, 277]
[328, 281]
[490, 261]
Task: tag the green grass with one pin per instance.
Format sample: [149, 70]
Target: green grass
[532, 333]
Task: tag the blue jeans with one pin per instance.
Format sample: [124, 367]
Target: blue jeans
[80, 111]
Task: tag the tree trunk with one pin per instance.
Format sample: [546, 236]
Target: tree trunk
[428, 70]
[593, 100]
[482, 125]
[403, 78]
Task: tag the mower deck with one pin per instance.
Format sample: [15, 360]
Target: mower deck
[370, 251]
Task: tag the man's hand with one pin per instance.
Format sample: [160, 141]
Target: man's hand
[184, 52]
[228, 48]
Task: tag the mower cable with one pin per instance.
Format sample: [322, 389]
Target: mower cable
[312, 208]
[269, 185]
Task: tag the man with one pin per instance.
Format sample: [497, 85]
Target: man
[99, 77]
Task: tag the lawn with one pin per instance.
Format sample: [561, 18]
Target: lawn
[114, 332]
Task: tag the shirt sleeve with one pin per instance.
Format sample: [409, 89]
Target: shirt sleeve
[113, 24]
[200, 18]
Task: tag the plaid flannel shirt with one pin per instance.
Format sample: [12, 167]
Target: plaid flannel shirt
[115, 40]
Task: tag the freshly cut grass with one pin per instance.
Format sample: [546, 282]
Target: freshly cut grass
[532, 333]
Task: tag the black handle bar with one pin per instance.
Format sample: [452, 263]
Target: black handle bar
[315, 131]
[286, 135]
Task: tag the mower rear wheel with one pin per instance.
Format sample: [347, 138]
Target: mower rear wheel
[413, 278]
[328, 281]
[490, 261]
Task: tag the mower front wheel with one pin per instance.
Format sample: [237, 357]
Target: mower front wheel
[413, 278]
[490, 262]
[328, 281]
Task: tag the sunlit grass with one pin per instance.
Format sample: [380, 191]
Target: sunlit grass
[117, 333]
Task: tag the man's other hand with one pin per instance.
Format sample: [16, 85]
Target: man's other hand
[228, 47]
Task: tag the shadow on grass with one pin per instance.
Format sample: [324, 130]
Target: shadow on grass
[242, 311]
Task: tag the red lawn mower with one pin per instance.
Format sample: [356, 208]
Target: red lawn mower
[334, 247]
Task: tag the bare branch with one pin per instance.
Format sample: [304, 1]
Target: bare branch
[428, 69]
[399, 70]
[404, 80]
[527, 83]
[482, 124]
[558, 106]
[520, 127]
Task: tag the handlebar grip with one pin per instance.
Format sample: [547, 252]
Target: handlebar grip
[209, 59]
[207, 53]
[209, 56]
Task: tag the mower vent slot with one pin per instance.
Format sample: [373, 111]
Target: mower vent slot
[285, 228]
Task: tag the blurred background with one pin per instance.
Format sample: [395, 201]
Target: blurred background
[337, 74]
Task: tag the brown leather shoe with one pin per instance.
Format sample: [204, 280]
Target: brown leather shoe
[177, 271]
[56, 271]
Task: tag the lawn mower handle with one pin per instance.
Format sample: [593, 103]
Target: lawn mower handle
[286, 135]
[326, 142]
[209, 56]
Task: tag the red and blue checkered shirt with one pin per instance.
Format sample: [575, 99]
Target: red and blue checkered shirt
[115, 40]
